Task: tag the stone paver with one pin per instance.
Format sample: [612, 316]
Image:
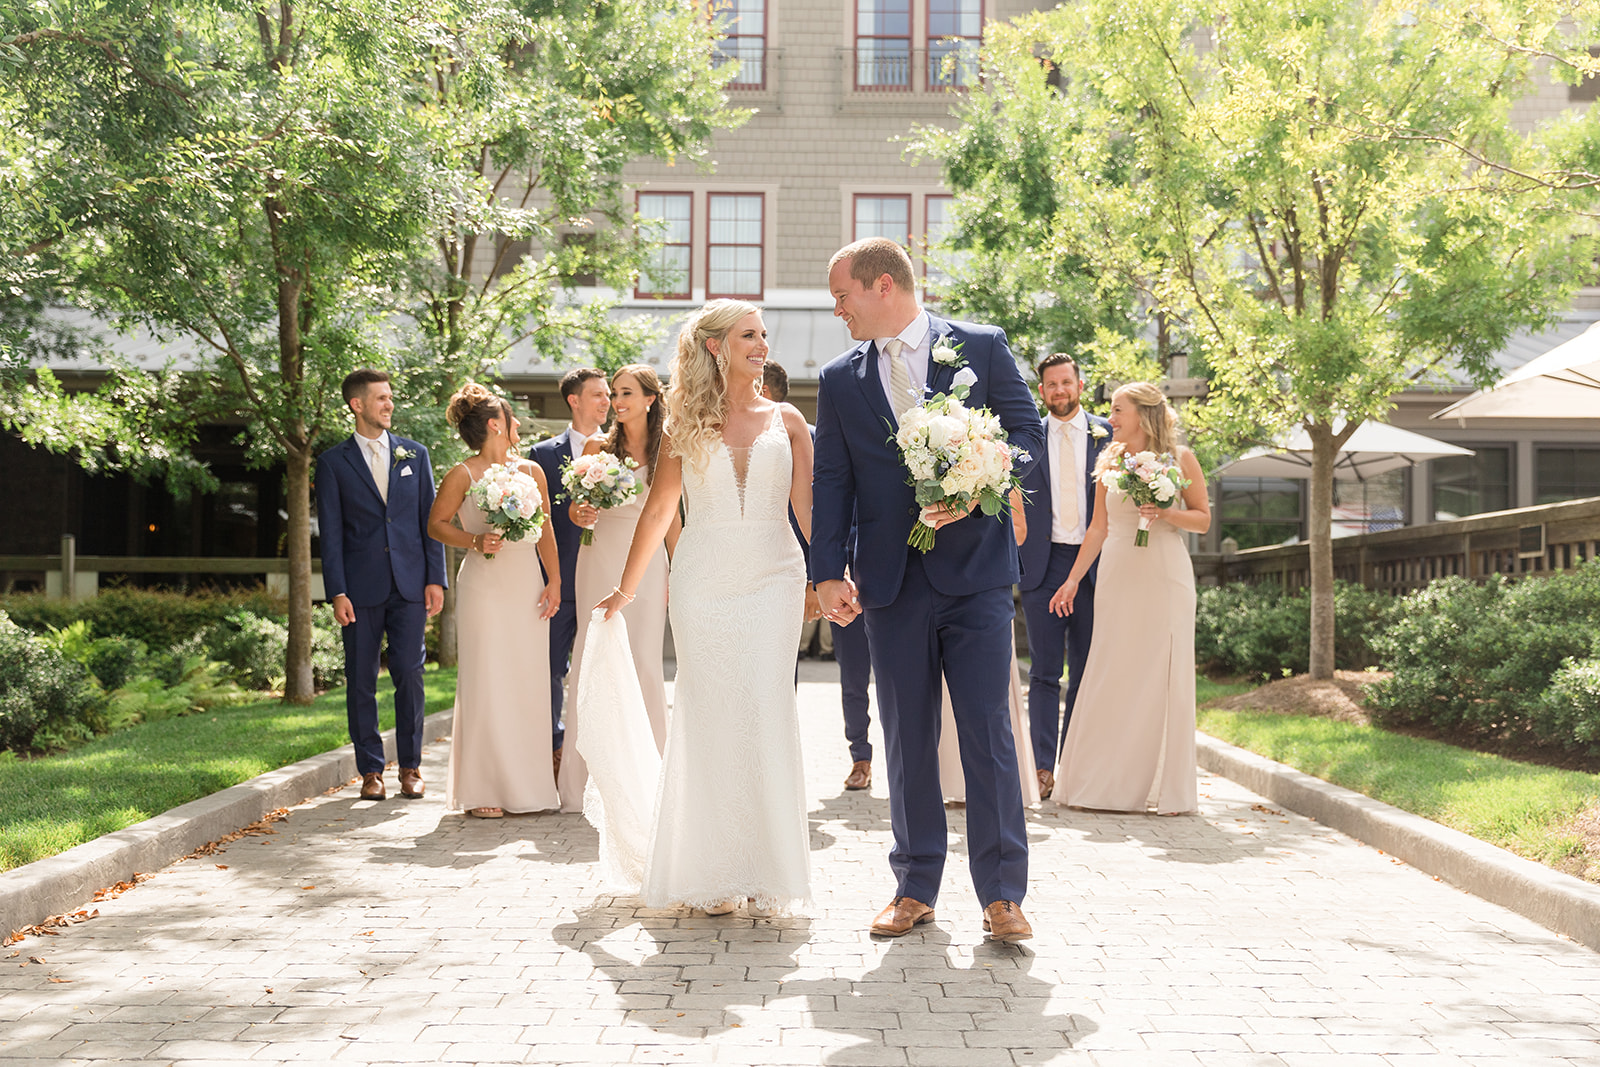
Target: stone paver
[398, 932]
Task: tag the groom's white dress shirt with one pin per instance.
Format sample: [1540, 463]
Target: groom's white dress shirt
[916, 353]
[1075, 429]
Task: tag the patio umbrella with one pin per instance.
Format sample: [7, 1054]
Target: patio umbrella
[1564, 383]
[1372, 449]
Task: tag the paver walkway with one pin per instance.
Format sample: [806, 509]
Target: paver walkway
[397, 931]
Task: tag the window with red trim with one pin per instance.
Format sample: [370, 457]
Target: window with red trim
[883, 215]
[734, 245]
[955, 30]
[883, 44]
[744, 24]
[667, 270]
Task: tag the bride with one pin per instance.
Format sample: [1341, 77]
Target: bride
[730, 817]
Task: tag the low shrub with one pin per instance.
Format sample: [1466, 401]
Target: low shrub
[1479, 659]
[255, 647]
[1570, 708]
[41, 690]
[160, 619]
[1257, 630]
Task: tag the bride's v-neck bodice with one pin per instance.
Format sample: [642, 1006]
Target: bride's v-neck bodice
[749, 484]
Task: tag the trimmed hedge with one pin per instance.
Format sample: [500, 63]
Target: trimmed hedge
[39, 687]
[159, 619]
[1256, 630]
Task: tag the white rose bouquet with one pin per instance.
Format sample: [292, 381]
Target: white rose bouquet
[600, 480]
[510, 501]
[956, 456]
[1145, 478]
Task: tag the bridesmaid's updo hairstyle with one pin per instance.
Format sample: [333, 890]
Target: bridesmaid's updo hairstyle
[649, 385]
[1156, 418]
[470, 410]
[697, 399]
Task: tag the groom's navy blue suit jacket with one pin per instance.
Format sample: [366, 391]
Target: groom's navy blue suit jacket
[369, 547]
[858, 473]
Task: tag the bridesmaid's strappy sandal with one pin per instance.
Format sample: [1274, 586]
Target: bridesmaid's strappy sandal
[486, 813]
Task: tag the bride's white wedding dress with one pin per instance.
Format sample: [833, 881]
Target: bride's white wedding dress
[730, 814]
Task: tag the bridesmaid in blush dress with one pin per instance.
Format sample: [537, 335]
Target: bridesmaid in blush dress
[636, 434]
[1130, 746]
[500, 743]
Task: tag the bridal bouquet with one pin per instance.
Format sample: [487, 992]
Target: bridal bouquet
[957, 456]
[600, 480]
[510, 501]
[1145, 478]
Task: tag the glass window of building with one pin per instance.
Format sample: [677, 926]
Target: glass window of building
[955, 29]
[1471, 485]
[744, 24]
[883, 44]
[667, 271]
[941, 222]
[1261, 511]
[883, 216]
[733, 245]
[1566, 474]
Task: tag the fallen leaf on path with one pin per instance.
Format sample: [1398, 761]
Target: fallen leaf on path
[222, 866]
[59, 981]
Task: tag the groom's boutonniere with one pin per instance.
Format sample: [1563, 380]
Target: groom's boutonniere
[401, 454]
[1097, 431]
[947, 353]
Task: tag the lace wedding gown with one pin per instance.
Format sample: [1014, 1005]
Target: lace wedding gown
[731, 809]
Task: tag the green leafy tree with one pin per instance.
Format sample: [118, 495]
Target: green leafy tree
[238, 179]
[1326, 201]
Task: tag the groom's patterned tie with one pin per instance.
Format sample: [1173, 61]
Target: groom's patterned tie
[1068, 477]
[901, 396]
[380, 473]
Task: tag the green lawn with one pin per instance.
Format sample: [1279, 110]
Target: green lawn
[1522, 807]
[49, 805]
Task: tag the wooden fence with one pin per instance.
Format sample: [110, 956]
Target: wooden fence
[1537, 540]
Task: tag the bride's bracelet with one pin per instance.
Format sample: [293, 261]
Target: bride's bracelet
[617, 589]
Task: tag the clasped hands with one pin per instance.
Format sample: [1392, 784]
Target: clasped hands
[839, 600]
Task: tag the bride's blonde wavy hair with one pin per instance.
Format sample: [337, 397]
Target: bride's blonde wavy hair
[697, 398]
[1156, 418]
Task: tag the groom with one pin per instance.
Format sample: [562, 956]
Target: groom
[944, 612]
[381, 571]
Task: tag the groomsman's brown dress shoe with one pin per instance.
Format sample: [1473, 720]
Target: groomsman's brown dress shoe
[411, 785]
[860, 775]
[372, 786]
[900, 916]
[1003, 921]
[1047, 784]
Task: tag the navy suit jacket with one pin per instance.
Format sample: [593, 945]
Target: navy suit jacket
[1038, 507]
[369, 547]
[858, 473]
[551, 455]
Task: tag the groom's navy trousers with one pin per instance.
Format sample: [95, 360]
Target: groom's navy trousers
[971, 637]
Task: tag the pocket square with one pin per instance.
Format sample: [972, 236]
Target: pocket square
[405, 472]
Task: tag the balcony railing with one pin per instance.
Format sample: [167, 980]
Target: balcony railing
[751, 54]
[895, 67]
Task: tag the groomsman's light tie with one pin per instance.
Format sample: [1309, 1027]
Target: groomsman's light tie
[901, 395]
[1068, 477]
[380, 472]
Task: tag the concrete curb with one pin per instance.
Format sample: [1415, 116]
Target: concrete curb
[1560, 902]
[33, 892]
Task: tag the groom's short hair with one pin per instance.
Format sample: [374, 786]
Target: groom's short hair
[356, 382]
[873, 257]
[1057, 359]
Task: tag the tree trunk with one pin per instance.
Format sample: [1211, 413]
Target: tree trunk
[448, 656]
[298, 687]
[1323, 453]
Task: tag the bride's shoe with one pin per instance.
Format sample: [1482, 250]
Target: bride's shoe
[727, 907]
[756, 911]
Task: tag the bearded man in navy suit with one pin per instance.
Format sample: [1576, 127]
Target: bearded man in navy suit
[1059, 491]
[947, 611]
[382, 572]
[588, 398]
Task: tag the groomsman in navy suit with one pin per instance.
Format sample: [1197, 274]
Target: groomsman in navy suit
[947, 611]
[588, 398]
[381, 571]
[1059, 491]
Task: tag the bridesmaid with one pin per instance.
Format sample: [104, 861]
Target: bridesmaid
[636, 434]
[500, 748]
[1131, 743]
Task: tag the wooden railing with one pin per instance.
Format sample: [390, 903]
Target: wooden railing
[68, 573]
[1537, 540]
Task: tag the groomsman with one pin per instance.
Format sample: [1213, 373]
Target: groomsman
[382, 573]
[588, 399]
[850, 647]
[1059, 491]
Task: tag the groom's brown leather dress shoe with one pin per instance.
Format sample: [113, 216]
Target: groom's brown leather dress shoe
[1003, 921]
[1047, 784]
[372, 786]
[860, 775]
[411, 785]
[900, 916]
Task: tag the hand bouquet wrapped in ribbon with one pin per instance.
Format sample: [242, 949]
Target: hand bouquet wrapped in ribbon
[600, 480]
[511, 502]
[957, 456]
[1145, 478]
